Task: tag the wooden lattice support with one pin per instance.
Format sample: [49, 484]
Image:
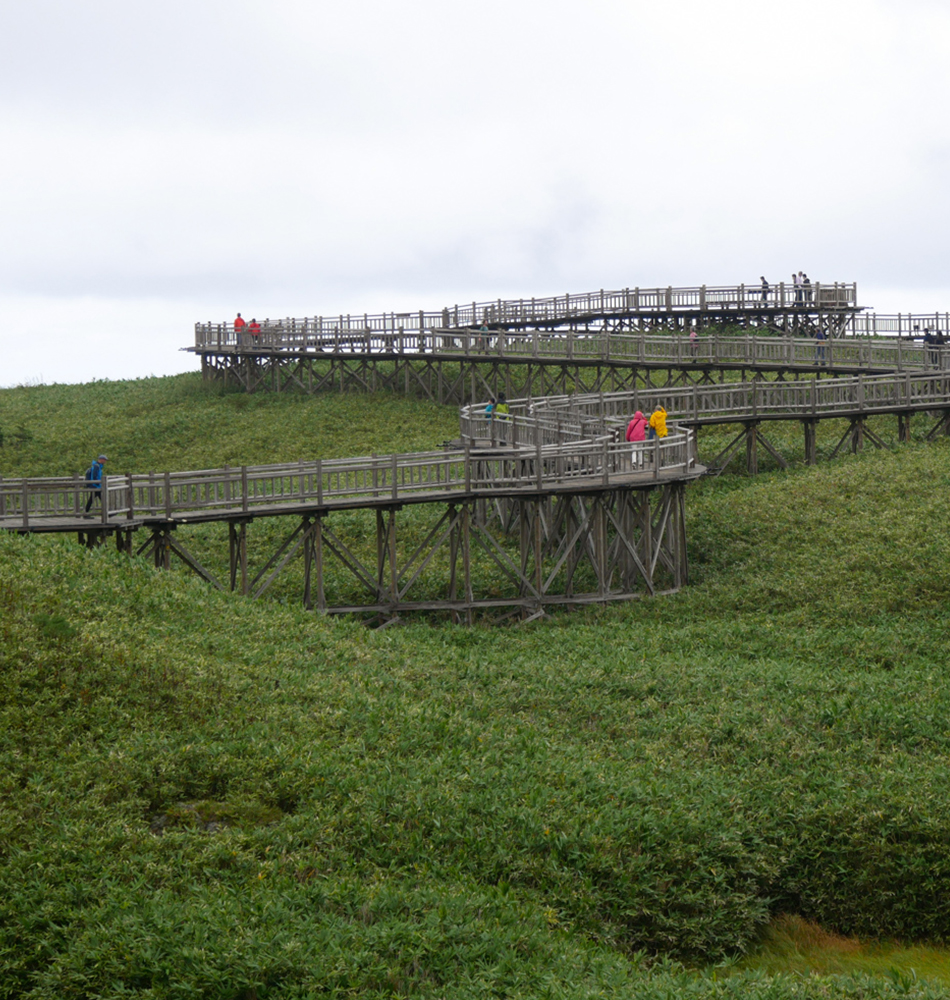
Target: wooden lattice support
[942, 426]
[446, 380]
[562, 549]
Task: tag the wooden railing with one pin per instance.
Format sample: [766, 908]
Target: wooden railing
[403, 331]
[814, 398]
[27, 503]
[869, 352]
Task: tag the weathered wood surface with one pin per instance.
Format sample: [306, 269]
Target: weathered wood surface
[573, 463]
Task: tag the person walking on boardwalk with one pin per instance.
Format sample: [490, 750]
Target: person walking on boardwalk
[693, 342]
[500, 414]
[806, 286]
[239, 325]
[765, 291]
[254, 329]
[658, 423]
[929, 344]
[820, 338]
[490, 413]
[636, 435]
[94, 481]
[797, 282]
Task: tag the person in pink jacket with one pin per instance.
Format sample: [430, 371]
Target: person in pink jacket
[636, 433]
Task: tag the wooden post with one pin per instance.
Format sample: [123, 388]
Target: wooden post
[752, 448]
[538, 554]
[380, 554]
[646, 537]
[104, 498]
[903, 427]
[393, 574]
[857, 436]
[811, 451]
[600, 543]
[307, 562]
[454, 533]
[467, 561]
[318, 561]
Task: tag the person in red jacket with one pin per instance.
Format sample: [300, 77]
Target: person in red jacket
[636, 433]
[239, 326]
[254, 329]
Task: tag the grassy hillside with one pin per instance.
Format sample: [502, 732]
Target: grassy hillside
[206, 796]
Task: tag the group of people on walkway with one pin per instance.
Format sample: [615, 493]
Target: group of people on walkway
[933, 341]
[801, 284]
[642, 429]
[242, 329]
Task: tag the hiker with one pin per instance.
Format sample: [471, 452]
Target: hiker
[94, 481]
[820, 338]
[254, 329]
[636, 435]
[239, 325]
[657, 425]
[930, 342]
[806, 286]
[490, 413]
[693, 342]
[500, 411]
[797, 282]
[939, 343]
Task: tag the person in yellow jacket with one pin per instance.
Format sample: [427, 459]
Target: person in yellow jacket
[658, 423]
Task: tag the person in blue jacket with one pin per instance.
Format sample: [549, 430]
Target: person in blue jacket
[94, 481]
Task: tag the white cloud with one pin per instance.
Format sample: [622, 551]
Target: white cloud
[298, 157]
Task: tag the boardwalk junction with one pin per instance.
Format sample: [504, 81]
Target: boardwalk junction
[548, 507]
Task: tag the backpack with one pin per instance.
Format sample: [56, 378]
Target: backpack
[91, 476]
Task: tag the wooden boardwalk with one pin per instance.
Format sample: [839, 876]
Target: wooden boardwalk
[831, 306]
[590, 526]
[550, 500]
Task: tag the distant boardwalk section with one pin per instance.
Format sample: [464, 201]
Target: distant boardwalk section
[604, 340]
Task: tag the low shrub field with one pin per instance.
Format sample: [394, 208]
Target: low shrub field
[206, 796]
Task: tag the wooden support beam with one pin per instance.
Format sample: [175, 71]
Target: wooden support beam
[811, 451]
[903, 427]
[751, 448]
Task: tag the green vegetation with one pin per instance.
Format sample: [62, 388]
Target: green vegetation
[794, 944]
[201, 795]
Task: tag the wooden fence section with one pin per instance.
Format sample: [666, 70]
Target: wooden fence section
[212, 494]
[407, 330]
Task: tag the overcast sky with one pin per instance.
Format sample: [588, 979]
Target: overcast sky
[174, 161]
